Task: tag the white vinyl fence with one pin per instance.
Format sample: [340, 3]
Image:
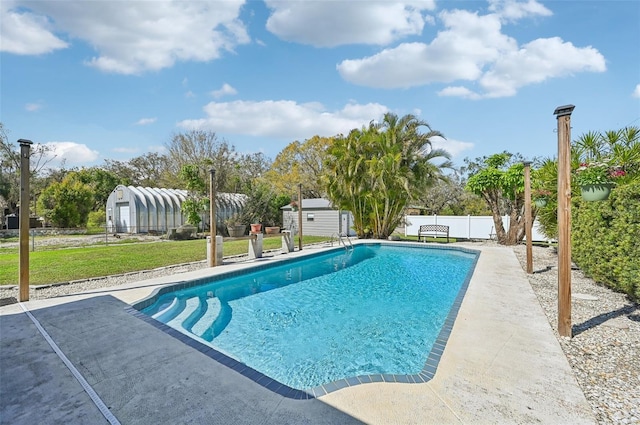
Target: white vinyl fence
[465, 227]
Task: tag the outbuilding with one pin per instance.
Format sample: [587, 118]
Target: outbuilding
[319, 218]
[137, 209]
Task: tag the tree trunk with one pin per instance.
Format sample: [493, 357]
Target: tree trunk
[516, 231]
[492, 201]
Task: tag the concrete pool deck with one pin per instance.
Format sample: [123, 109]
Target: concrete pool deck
[502, 364]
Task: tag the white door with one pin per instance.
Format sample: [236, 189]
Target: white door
[344, 223]
[122, 219]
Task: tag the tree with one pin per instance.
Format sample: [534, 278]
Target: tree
[195, 203]
[247, 168]
[148, 170]
[376, 171]
[448, 197]
[204, 150]
[67, 203]
[260, 206]
[348, 185]
[499, 180]
[544, 178]
[301, 163]
[101, 182]
[40, 156]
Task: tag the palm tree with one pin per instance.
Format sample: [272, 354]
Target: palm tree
[376, 171]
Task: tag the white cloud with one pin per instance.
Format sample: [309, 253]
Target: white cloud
[458, 53]
[189, 94]
[538, 61]
[146, 121]
[473, 48]
[334, 23]
[513, 10]
[69, 153]
[34, 106]
[26, 33]
[454, 147]
[458, 91]
[636, 92]
[135, 37]
[225, 90]
[283, 119]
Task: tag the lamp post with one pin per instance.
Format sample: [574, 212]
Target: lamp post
[212, 217]
[25, 153]
[527, 214]
[563, 115]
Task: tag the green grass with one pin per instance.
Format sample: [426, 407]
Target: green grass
[80, 263]
[41, 247]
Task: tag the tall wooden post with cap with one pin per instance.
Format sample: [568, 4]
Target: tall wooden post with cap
[213, 260]
[25, 154]
[527, 214]
[563, 115]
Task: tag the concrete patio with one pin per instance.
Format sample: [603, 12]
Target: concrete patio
[502, 364]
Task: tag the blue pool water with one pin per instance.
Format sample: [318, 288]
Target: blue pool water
[375, 310]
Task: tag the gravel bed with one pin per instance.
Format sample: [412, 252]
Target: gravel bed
[604, 352]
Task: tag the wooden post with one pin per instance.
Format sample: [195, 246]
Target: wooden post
[25, 153]
[300, 216]
[563, 116]
[527, 214]
[213, 260]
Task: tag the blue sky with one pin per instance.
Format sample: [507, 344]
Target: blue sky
[100, 80]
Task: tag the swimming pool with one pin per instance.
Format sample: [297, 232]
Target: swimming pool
[374, 313]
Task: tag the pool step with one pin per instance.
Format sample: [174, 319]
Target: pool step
[213, 308]
[220, 323]
[166, 315]
[196, 314]
[190, 305]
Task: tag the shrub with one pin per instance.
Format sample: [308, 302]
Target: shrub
[97, 219]
[606, 239]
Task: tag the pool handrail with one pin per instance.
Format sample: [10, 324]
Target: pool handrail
[340, 236]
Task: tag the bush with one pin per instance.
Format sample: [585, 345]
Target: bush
[605, 239]
[97, 219]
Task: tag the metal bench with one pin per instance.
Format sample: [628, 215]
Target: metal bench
[433, 230]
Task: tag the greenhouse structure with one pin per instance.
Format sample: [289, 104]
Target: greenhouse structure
[136, 209]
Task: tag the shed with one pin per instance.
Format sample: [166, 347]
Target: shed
[137, 209]
[319, 218]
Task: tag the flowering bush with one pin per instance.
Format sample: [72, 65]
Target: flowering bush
[597, 173]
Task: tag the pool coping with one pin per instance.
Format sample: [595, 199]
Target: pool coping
[425, 375]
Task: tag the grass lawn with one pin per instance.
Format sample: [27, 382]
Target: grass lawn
[63, 265]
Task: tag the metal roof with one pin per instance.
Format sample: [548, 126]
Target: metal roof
[313, 203]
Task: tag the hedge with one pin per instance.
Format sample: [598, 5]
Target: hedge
[605, 239]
